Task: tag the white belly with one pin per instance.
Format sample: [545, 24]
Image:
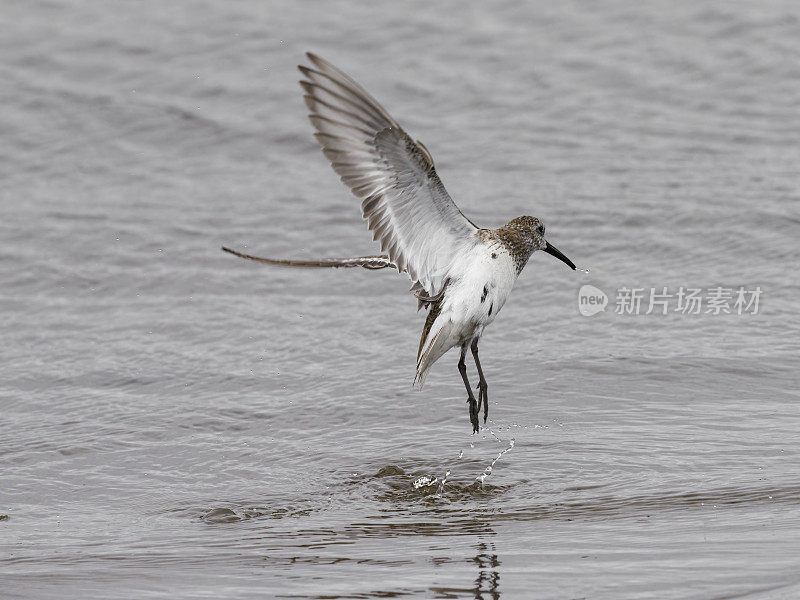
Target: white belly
[486, 278]
[480, 282]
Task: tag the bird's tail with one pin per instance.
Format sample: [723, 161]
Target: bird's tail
[440, 339]
[367, 262]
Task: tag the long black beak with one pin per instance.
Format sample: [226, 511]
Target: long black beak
[553, 251]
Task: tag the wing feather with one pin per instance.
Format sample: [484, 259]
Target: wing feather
[405, 204]
[367, 262]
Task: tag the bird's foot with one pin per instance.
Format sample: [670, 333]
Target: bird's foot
[483, 398]
[473, 414]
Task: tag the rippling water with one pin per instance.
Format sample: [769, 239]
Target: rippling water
[179, 423]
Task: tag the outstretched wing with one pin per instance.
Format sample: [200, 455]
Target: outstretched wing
[406, 206]
[367, 262]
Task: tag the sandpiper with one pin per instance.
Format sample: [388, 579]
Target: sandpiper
[461, 274]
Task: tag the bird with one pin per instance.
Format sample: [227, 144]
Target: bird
[461, 274]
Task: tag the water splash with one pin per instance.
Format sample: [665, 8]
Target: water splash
[488, 470]
[425, 481]
[428, 481]
[441, 484]
[586, 271]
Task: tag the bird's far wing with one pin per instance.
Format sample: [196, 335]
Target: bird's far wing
[368, 262]
[406, 206]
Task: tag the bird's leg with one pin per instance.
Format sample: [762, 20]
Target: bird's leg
[473, 406]
[483, 387]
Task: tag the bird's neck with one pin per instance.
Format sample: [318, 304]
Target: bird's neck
[519, 244]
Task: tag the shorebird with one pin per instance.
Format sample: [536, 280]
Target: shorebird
[462, 274]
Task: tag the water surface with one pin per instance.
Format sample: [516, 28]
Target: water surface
[179, 423]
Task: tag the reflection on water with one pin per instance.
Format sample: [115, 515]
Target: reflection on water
[487, 583]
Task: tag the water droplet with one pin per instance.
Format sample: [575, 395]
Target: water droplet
[488, 470]
[441, 484]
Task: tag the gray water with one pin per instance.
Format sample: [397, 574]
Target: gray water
[179, 423]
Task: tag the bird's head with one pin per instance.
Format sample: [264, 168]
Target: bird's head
[526, 235]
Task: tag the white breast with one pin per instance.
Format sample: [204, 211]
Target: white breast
[485, 278]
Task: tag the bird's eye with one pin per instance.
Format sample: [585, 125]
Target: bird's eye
[541, 229]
